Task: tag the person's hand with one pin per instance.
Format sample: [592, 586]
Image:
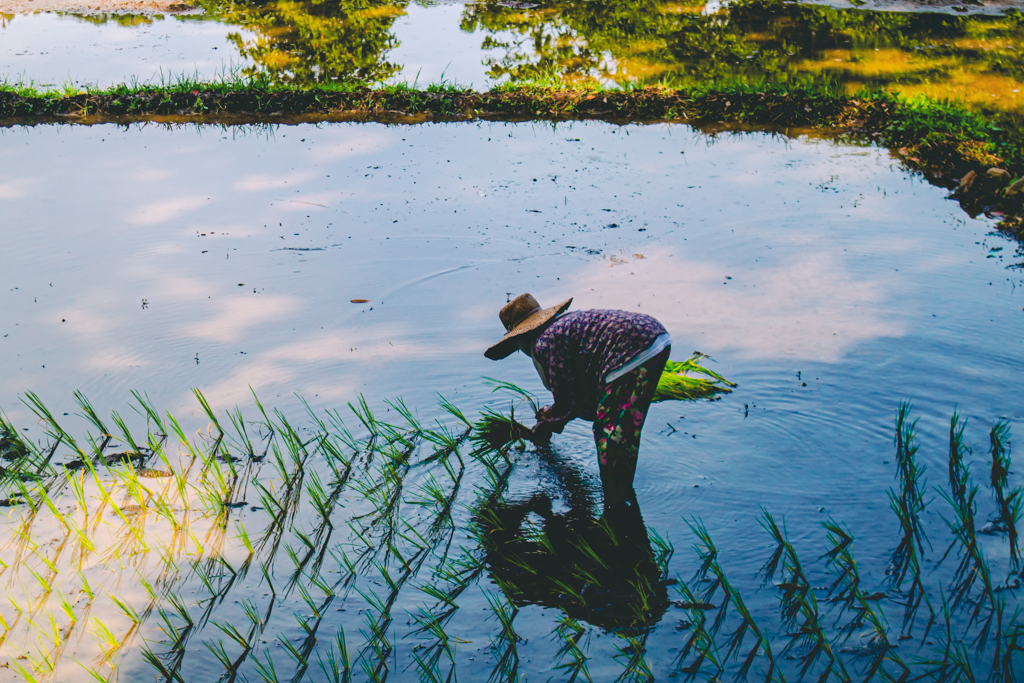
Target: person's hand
[520, 431]
[541, 434]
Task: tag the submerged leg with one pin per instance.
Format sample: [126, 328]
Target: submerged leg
[619, 420]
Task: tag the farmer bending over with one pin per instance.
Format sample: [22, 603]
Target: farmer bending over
[602, 366]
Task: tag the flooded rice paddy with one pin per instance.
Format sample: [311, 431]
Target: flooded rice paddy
[826, 281]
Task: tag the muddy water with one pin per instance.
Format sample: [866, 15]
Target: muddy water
[825, 281]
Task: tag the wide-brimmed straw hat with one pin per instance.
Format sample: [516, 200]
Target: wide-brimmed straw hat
[523, 314]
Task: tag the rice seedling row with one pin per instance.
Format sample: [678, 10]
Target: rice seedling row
[348, 547]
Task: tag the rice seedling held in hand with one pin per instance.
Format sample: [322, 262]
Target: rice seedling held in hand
[513, 390]
[496, 431]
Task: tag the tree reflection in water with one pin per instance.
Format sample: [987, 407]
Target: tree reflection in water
[308, 42]
[602, 570]
[752, 41]
[684, 44]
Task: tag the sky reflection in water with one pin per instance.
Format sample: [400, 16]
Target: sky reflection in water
[247, 246]
[823, 279]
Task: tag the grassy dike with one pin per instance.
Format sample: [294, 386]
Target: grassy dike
[980, 160]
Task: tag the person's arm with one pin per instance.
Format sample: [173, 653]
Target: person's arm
[538, 435]
[562, 382]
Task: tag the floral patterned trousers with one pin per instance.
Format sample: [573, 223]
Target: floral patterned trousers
[620, 417]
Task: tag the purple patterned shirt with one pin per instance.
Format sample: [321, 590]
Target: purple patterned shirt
[578, 350]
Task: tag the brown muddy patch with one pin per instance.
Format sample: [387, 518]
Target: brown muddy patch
[94, 7]
[947, 6]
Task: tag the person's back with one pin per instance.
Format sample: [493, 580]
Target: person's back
[600, 365]
[580, 352]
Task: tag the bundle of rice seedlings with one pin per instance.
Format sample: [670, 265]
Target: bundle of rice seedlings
[679, 383]
[496, 431]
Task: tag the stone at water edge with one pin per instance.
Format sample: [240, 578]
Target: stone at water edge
[967, 181]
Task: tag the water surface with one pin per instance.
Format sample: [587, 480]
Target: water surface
[53, 51]
[826, 281]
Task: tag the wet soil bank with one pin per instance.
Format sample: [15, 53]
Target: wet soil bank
[948, 6]
[980, 161]
[96, 7]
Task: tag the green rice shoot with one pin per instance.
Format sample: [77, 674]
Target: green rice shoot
[679, 381]
[494, 430]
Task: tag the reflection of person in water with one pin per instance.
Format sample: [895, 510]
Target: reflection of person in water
[602, 366]
[600, 570]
